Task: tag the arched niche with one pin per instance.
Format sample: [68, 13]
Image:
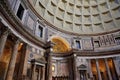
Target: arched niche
[60, 44]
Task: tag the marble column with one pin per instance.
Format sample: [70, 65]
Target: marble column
[40, 73]
[98, 70]
[11, 66]
[50, 67]
[107, 68]
[7, 67]
[43, 75]
[90, 69]
[33, 72]
[3, 39]
[26, 61]
[23, 61]
[116, 64]
[75, 66]
[48, 56]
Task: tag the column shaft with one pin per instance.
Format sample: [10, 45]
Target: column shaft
[11, 66]
[90, 69]
[33, 72]
[39, 74]
[43, 74]
[7, 67]
[50, 68]
[98, 70]
[116, 67]
[48, 71]
[23, 62]
[107, 68]
[3, 39]
[75, 67]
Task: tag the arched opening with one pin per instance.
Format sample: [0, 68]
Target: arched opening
[60, 44]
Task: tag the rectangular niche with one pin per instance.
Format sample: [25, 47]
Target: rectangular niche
[77, 18]
[116, 12]
[52, 7]
[86, 10]
[55, 1]
[117, 22]
[78, 2]
[62, 4]
[88, 28]
[94, 9]
[101, 1]
[60, 13]
[87, 19]
[98, 27]
[114, 3]
[45, 2]
[106, 16]
[96, 44]
[103, 7]
[41, 9]
[68, 26]
[70, 8]
[78, 9]
[93, 2]
[72, 1]
[96, 18]
[77, 28]
[68, 17]
[49, 16]
[117, 40]
[58, 22]
[109, 25]
[86, 2]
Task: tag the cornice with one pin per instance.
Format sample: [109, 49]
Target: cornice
[63, 31]
[92, 53]
[6, 12]
[86, 53]
[66, 54]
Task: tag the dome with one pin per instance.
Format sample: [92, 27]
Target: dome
[59, 39]
[80, 16]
